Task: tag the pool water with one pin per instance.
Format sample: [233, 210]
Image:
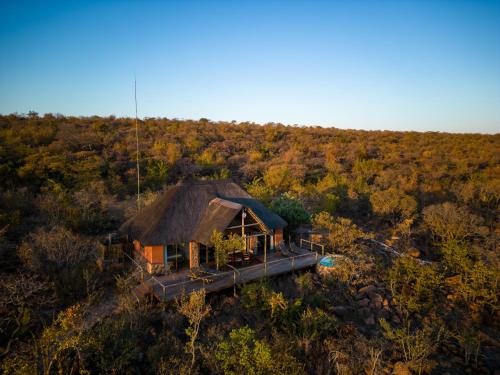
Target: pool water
[327, 262]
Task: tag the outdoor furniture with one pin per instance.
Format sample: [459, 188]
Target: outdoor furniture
[283, 249]
[294, 248]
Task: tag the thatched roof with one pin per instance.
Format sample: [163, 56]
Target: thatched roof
[183, 211]
[217, 216]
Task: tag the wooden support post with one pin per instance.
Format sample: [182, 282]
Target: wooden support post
[265, 254]
[243, 214]
[194, 254]
[234, 283]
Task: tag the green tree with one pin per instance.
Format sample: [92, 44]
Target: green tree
[278, 178]
[341, 232]
[243, 353]
[414, 285]
[63, 257]
[291, 209]
[393, 205]
[193, 307]
[224, 246]
[415, 345]
[259, 190]
[447, 221]
[58, 349]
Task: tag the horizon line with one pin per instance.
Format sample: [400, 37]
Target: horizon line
[238, 122]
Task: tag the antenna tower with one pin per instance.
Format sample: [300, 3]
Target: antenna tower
[137, 149]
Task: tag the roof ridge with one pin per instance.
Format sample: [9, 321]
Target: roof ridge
[205, 182]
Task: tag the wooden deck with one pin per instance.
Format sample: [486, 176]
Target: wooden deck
[169, 287]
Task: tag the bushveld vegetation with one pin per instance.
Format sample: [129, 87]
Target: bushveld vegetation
[67, 182]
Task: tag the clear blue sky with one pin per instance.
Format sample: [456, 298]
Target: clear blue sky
[402, 65]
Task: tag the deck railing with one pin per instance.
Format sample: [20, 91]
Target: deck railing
[310, 245]
[237, 275]
[137, 264]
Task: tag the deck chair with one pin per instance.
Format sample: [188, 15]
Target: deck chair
[283, 249]
[294, 248]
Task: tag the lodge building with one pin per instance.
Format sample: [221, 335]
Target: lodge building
[175, 231]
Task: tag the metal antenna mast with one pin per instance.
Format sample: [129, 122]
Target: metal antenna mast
[137, 148]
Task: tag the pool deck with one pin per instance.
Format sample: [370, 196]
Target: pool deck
[169, 287]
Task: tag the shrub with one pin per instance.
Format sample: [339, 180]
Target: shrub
[341, 232]
[447, 221]
[414, 285]
[67, 259]
[291, 210]
[416, 345]
[243, 353]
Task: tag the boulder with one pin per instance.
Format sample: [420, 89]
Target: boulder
[370, 320]
[384, 314]
[401, 368]
[398, 311]
[365, 312]
[413, 252]
[363, 302]
[375, 296]
[367, 289]
[453, 280]
[341, 310]
[376, 300]
[375, 305]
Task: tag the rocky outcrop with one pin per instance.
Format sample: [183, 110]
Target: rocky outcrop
[373, 303]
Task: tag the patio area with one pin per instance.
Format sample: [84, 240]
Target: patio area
[172, 286]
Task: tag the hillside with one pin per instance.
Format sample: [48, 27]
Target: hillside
[67, 182]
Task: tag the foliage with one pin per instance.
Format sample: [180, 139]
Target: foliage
[393, 205]
[65, 258]
[259, 190]
[435, 191]
[57, 348]
[416, 345]
[22, 296]
[314, 326]
[193, 307]
[225, 246]
[278, 178]
[414, 285]
[448, 221]
[457, 257]
[253, 295]
[243, 353]
[291, 210]
[476, 279]
[341, 232]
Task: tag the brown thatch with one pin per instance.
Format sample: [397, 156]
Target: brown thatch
[218, 215]
[175, 216]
